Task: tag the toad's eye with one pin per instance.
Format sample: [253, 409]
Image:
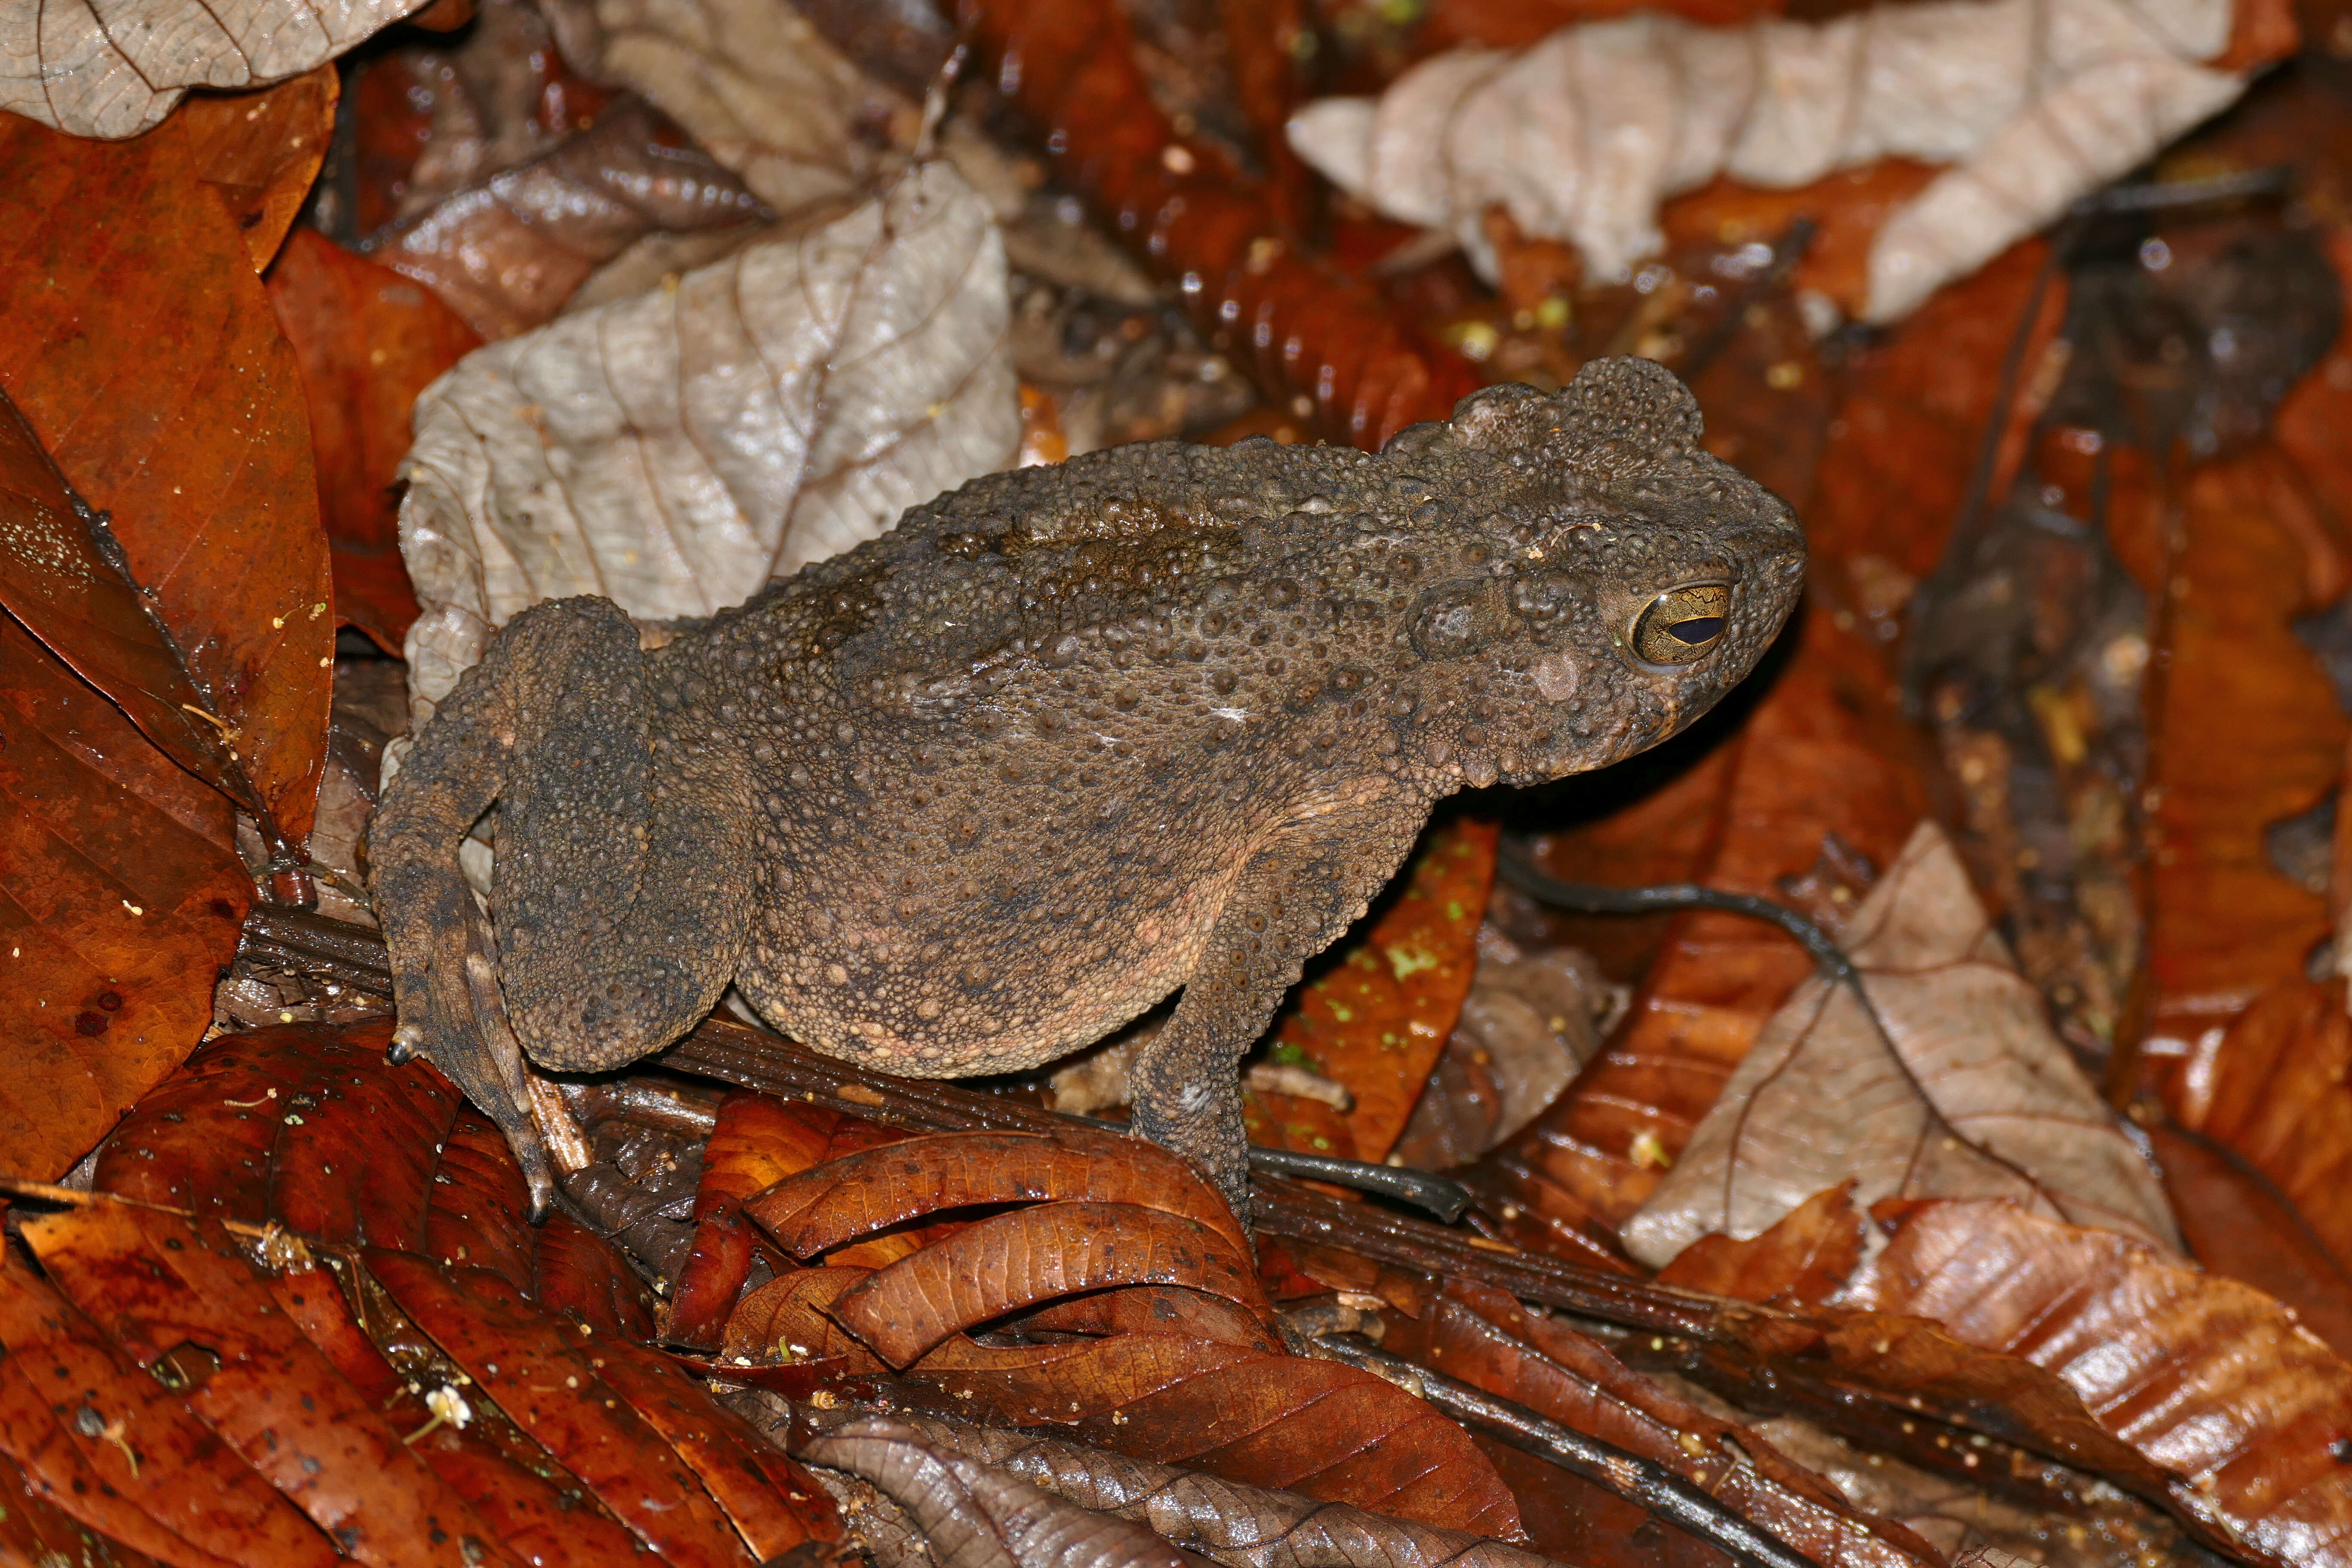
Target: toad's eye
[1682, 624]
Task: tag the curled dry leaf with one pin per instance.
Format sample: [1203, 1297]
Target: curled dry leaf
[751, 80]
[1950, 1084]
[2035, 108]
[1229, 1522]
[675, 452]
[219, 523]
[507, 253]
[2270, 1091]
[1202, 1387]
[1804, 1259]
[90, 70]
[367, 341]
[2211, 1380]
[972, 1515]
[1482, 1336]
[1376, 1021]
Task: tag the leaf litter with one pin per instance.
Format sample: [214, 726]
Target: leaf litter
[1088, 1289]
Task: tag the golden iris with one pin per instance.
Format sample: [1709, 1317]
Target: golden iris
[1681, 625]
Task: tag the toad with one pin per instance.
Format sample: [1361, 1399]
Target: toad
[1065, 741]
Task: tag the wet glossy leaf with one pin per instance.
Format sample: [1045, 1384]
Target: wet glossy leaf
[220, 522]
[551, 1386]
[164, 1483]
[1376, 1020]
[1951, 1085]
[154, 1283]
[2208, 1378]
[583, 458]
[367, 342]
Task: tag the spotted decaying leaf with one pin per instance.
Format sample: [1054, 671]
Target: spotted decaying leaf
[1376, 1021]
[675, 451]
[394, 1370]
[1952, 1085]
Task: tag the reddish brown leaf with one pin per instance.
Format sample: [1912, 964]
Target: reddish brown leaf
[2211, 1380]
[516, 1486]
[1267, 1418]
[1824, 752]
[552, 1389]
[142, 352]
[1482, 1336]
[877, 1188]
[1846, 208]
[154, 1283]
[298, 1124]
[1035, 1253]
[34, 1533]
[1154, 1310]
[579, 1275]
[1301, 329]
[2237, 1223]
[718, 1266]
[2231, 578]
[120, 897]
[1514, 24]
[1799, 1262]
[506, 254]
[479, 1208]
[367, 342]
[261, 152]
[1907, 431]
[759, 1142]
[1377, 1021]
[774, 1504]
[188, 1499]
[2271, 1090]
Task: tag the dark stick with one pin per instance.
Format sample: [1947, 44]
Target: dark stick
[1644, 1482]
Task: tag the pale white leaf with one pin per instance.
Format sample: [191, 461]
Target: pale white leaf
[1579, 137]
[675, 450]
[112, 69]
[1966, 1094]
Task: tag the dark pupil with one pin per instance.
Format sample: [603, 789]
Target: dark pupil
[1698, 630]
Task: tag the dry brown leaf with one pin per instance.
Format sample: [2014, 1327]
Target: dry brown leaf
[92, 68]
[675, 451]
[753, 82]
[2208, 1378]
[1968, 1093]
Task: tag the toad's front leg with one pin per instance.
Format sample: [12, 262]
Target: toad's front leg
[621, 896]
[1295, 894]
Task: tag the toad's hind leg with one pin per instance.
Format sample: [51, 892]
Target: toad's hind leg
[621, 892]
[1293, 899]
